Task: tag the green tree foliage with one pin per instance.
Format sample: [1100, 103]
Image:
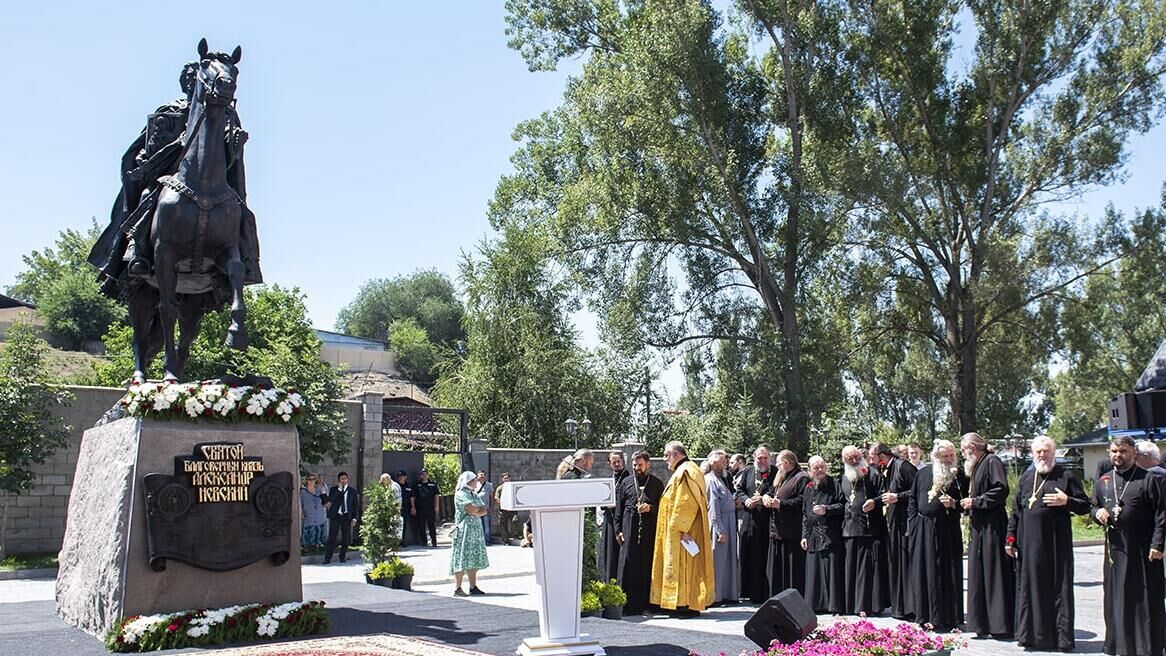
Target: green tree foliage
[30, 431]
[523, 373]
[380, 522]
[426, 297]
[960, 164]
[1110, 329]
[416, 355]
[283, 347]
[64, 288]
[688, 172]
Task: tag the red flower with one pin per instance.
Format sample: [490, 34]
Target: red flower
[1105, 479]
[231, 622]
[764, 476]
[864, 471]
[172, 628]
[810, 484]
[206, 412]
[121, 639]
[1011, 539]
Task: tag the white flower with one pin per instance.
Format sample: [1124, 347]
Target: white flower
[144, 624]
[268, 623]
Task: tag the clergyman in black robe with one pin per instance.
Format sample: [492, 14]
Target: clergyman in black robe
[787, 559]
[898, 479]
[755, 485]
[864, 530]
[640, 500]
[991, 580]
[609, 545]
[937, 548]
[1128, 502]
[1040, 538]
[822, 510]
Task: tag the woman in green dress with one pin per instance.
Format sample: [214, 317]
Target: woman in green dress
[469, 543]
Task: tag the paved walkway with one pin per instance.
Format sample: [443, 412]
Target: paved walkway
[495, 623]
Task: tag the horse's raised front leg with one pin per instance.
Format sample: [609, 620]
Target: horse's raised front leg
[167, 308]
[237, 331]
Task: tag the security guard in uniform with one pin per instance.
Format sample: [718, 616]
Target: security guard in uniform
[424, 509]
[406, 502]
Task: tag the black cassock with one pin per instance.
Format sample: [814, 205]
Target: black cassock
[639, 539]
[1133, 585]
[608, 545]
[753, 544]
[865, 533]
[899, 478]
[937, 553]
[1043, 538]
[825, 550]
[787, 560]
[991, 581]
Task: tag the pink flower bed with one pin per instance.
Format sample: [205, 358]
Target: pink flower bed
[862, 638]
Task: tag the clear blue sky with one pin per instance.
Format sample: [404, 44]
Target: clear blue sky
[378, 129]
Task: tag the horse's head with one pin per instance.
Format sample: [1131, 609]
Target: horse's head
[216, 75]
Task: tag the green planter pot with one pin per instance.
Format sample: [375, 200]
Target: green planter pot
[403, 582]
[384, 583]
[613, 613]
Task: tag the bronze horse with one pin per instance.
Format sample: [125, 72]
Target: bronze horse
[195, 233]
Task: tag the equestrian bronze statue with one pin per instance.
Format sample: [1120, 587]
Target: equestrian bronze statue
[181, 241]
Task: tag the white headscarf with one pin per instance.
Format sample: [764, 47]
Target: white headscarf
[465, 479]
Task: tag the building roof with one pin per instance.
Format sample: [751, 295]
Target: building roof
[9, 302]
[1099, 436]
[340, 339]
[393, 389]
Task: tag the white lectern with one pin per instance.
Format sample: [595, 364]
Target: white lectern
[556, 518]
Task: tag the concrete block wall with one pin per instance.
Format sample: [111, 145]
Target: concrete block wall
[36, 519]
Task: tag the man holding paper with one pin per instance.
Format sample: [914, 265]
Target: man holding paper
[682, 563]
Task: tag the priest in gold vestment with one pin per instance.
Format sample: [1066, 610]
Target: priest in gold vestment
[682, 581]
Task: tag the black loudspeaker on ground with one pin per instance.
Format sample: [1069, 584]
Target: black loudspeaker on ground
[785, 617]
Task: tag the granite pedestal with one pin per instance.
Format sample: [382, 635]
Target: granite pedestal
[105, 568]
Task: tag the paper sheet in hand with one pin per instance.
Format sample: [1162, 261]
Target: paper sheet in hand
[690, 546]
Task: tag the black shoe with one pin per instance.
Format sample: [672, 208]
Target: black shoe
[460, 593]
[327, 562]
[344, 559]
[685, 613]
[138, 268]
[476, 591]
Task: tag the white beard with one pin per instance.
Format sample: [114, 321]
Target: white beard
[943, 476]
[851, 471]
[1043, 466]
[970, 465]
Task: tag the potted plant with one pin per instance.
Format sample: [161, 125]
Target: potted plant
[380, 524]
[589, 605]
[403, 574]
[612, 598]
[381, 575]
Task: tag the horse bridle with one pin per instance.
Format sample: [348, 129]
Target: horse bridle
[209, 95]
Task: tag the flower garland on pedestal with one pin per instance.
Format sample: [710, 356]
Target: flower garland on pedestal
[198, 628]
[213, 401]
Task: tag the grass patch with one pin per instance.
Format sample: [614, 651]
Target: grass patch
[28, 561]
[1085, 529]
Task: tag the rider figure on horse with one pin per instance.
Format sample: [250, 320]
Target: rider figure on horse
[124, 250]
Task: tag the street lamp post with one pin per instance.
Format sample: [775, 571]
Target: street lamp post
[573, 429]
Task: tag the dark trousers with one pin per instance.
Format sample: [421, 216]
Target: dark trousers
[422, 521]
[506, 525]
[340, 524]
[407, 524]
